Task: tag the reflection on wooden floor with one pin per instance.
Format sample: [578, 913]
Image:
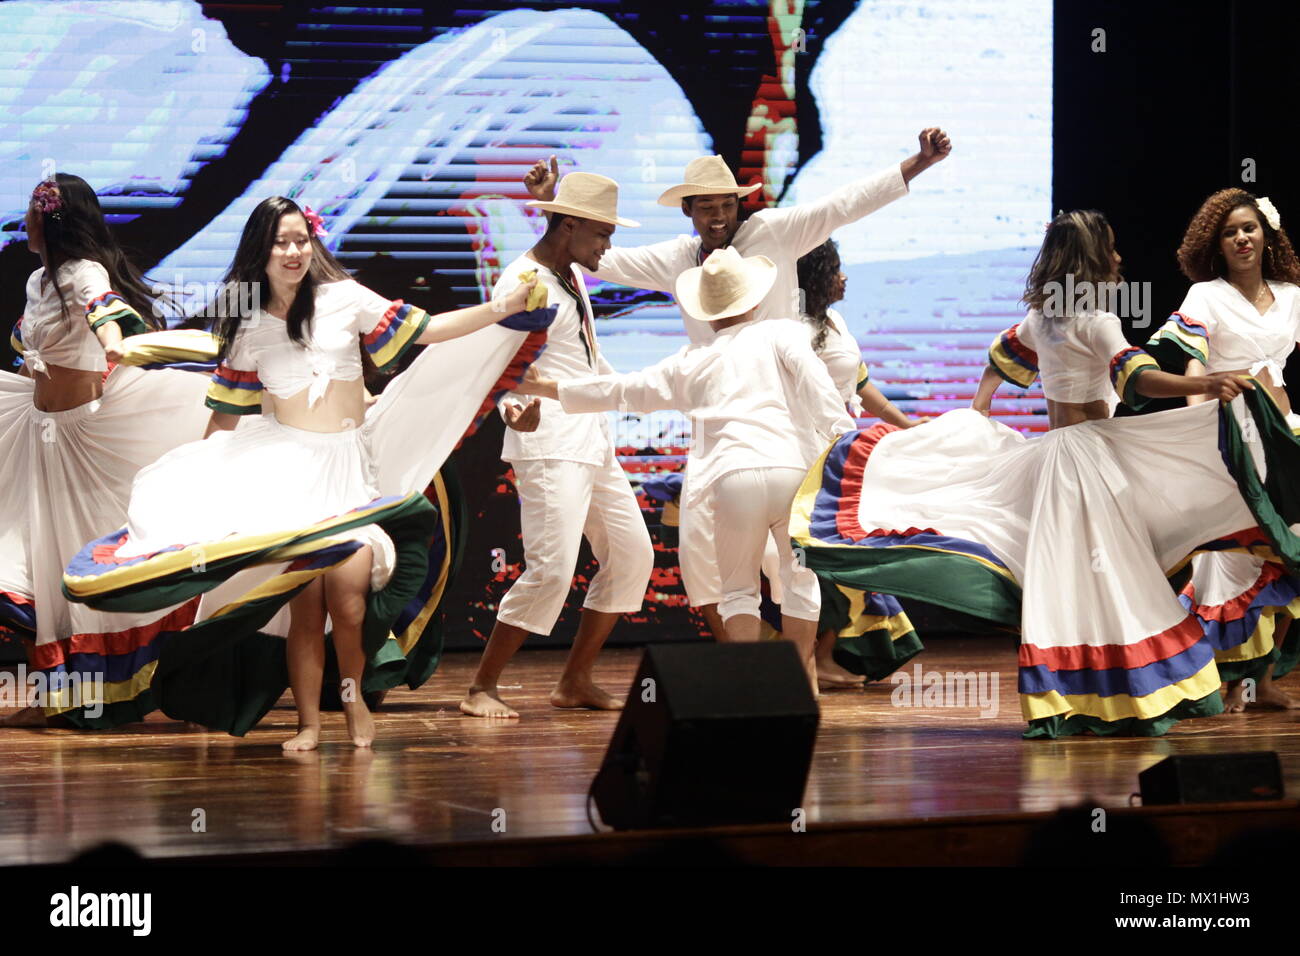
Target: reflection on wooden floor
[436, 776]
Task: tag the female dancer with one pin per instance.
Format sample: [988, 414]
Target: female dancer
[1068, 535]
[74, 430]
[871, 630]
[313, 464]
[1241, 315]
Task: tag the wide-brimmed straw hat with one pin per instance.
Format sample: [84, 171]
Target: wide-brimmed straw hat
[726, 285]
[587, 196]
[706, 176]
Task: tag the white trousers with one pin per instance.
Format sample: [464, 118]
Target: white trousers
[559, 502]
[750, 508]
[697, 555]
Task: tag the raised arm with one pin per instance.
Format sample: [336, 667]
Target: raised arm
[807, 225]
[654, 267]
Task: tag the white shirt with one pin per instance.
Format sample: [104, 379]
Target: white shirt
[782, 234]
[566, 437]
[1239, 336]
[48, 335]
[758, 395]
[1075, 354]
[345, 312]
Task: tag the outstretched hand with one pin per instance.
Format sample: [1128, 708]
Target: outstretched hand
[541, 180]
[523, 419]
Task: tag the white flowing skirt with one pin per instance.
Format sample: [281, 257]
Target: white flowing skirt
[1070, 535]
[65, 478]
[263, 477]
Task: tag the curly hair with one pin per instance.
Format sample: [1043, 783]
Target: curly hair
[817, 271]
[1199, 256]
[1078, 243]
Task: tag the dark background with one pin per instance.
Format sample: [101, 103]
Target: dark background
[1144, 131]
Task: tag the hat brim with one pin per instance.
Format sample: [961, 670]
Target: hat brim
[760, 276]
[582, 213]
[674, 196]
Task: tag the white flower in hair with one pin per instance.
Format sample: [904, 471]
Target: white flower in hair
[1270, 212]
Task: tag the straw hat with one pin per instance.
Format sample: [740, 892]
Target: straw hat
[725, 285]
[706, 176]
[586, 196]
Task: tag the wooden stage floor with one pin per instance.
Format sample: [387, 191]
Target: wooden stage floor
[436, 776]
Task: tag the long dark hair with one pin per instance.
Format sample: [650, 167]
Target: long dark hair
[1077, 243]
[231, 308]
[77, 230]
[817, 272]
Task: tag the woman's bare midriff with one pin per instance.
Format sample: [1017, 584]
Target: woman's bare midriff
[1061, 414]
[1277, 391]
[342, 408]
[59, 389]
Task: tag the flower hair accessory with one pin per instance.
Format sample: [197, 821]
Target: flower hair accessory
[315, 221]
[1270, 212]
[46, 198]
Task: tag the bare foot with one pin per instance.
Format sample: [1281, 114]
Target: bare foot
[1268, 695]
[582, 692]
[485, 702]
[27, 717]
[305, 739]
[831, 676]
[361, 726]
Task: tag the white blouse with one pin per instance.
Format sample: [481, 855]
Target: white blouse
[45, 334]
[1084, 358]
[1239, 336]
[264, 357]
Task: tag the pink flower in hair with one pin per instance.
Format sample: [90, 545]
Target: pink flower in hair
[315, 221]
[47, 199]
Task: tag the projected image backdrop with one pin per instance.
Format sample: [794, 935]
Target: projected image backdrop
[416, 127]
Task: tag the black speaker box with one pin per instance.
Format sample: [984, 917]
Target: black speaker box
[711, 734]
[1212, 778]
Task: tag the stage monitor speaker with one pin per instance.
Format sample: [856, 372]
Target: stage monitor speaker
[711, 734]
[1212, 778]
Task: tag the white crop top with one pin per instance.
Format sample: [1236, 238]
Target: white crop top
[1081, 359]
[264, 357]
[45, 335]
[1239, 337]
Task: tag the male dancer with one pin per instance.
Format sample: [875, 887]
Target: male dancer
[567, 476]
[710, 197]
[765, 408]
